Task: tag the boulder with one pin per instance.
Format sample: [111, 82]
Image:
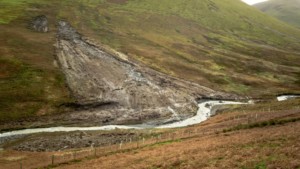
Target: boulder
[40, 24]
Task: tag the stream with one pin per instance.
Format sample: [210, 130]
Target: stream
[206, 109]
[287, 97]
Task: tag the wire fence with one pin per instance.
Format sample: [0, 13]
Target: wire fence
[131, 144]
[140, 141]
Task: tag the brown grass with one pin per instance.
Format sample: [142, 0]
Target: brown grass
[269, 146]
[275, 147]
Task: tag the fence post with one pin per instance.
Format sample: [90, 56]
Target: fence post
[120, 146]
[95, 152]
[75, 154]
[143, 140]
[21, 166]
[52, 160]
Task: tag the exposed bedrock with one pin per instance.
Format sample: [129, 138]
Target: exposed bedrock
[130, 92]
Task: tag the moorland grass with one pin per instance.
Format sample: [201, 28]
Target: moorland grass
[222, 44]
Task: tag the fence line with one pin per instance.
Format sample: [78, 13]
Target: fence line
[130, 144]
[142, 141]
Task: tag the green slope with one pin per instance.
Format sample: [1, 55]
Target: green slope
[285, 10]
[222, 44]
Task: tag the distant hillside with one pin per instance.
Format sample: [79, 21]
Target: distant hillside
[222, 44]
[285, 10]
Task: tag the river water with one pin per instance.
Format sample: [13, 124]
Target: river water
[287, 97]
[206, 109]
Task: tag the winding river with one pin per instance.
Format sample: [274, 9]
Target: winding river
[206, 109]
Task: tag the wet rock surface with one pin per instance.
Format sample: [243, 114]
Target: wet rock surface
[39, 24]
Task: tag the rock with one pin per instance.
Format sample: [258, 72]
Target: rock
[40, 24]
[67, 32]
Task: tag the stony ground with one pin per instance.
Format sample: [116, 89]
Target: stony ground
[63, 141]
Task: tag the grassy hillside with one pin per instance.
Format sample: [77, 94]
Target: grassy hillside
[285, 10]
[30, 84]
[222, 44]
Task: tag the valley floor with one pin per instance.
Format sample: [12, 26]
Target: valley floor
[253, 136]
[271, 147]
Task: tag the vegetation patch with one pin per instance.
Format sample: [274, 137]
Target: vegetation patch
[23, 91]
[262, 124]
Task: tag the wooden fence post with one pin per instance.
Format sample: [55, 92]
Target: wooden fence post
[21, 166]
[52, 160]
[74, 155]
[120, 146]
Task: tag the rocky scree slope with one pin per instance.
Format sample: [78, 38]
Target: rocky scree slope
[225, 45]
[129, 92]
